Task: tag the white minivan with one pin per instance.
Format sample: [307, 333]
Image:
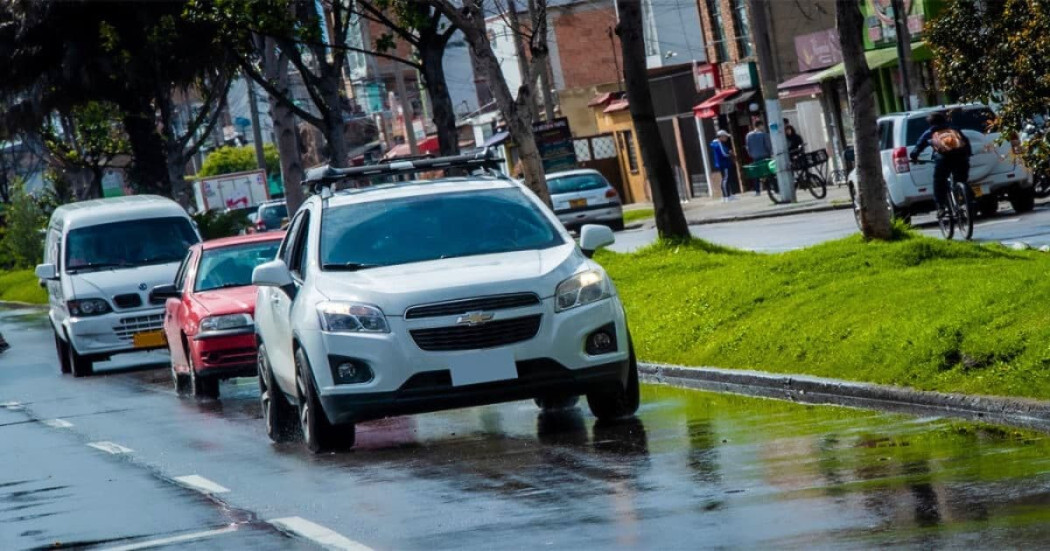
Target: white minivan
[101, 258]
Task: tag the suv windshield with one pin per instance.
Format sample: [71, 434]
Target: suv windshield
[978, 120]
[128, 243]
[232, 266]
[431, 227]
[574, 183]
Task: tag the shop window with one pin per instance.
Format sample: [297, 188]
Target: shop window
[742, 28]
[718, 33]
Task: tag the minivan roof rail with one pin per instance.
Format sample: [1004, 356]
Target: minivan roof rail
[317, 178]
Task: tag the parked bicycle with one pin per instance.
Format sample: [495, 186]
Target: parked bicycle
[958, 214]
[807, 169]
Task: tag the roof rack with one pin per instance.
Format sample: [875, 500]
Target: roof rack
[322, 176]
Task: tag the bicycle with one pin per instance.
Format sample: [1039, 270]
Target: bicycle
[960, 209]
[802, 172]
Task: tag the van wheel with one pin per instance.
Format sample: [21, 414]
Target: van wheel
[63, 354]
[277, 413]
[80, 366]
[319, 434]
[617, 401]
[1022, 199]
[557, 402]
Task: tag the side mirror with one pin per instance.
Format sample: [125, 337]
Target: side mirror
[162, 293]
[273, 274]
[47, 272]
[594, 237]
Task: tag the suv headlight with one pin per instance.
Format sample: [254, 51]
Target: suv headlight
[222, 323]
[89, 307]
[580, 289]
[351, 317]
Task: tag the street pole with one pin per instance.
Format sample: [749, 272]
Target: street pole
[703, 154]
[900, 23]
[406, 111]
[768, 76]
[253, 108]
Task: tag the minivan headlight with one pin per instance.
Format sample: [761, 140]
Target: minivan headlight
[223, 323]
[351, 317]
[580, 289]
[89, 307]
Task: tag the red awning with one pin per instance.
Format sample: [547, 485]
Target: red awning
[427, 145]
[708, 109]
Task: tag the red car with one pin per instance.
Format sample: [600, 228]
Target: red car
[209, 321]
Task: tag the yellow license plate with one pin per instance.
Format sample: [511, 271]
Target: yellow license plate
[148, 339]
[577, 203]
[977, 191]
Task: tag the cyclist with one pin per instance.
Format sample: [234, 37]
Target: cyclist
[951, 156]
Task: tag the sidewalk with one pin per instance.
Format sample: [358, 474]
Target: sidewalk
[749, 207]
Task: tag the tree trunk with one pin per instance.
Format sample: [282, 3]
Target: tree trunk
[149, 169]
[874, 214]
[528, 84]
[275, 68]
[334, 125]
[541, 56]
[670, 220]
[443, 111]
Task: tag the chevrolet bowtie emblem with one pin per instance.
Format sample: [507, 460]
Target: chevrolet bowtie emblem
[475, 318]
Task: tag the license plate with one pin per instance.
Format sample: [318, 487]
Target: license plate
[977, 191]
[483, 366]
[577, 203]
[148, 339]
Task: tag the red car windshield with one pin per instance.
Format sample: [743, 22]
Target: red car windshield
[232, 266]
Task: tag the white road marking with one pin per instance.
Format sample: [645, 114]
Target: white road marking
[57, 423]
[110, 447]
[318, 534]
[13, 406]
[201, 484]
[174, 539]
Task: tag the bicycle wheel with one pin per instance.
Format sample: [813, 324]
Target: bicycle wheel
[773, 190]
[817, 186]
[963, 203]
[946, 220]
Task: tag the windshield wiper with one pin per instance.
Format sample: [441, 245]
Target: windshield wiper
[94, 266]
[348, 266]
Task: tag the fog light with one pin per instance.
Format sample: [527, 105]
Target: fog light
[602, 341]
[348, 371]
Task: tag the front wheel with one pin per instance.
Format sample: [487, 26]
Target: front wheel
[202, 386]
[963, 204]
[1022, 199]
[1041, 185]
[773, 190]
[617, 401]
[278, 414]
[63, 354]
[817, 186]
[319, 434]
[80, 366]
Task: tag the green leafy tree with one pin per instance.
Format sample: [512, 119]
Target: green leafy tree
[215, 224]
[227, 160]
[21, 242]
[89, 138]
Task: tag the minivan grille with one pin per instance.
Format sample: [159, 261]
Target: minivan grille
[489, 335]
[129, 326]
[130, 300]
[457, 307]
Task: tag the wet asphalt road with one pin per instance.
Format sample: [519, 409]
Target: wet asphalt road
[793, 232]
[694, 470]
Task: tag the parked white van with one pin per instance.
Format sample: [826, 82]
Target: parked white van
[101, 258]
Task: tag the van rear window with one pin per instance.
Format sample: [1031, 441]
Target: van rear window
[978, 120]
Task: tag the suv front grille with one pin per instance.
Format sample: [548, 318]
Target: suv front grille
[457, 307]
[129, 326]
[489, 335]
[130, 300]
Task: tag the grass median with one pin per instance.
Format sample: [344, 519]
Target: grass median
[21, 286]
[918, 312]
[636, 215]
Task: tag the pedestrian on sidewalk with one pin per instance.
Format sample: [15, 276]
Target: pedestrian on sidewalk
[723, 158]
[759, 147]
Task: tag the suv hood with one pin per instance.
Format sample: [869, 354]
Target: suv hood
[109, 283]
[396, 288]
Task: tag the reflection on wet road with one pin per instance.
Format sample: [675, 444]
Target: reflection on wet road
[694, 470]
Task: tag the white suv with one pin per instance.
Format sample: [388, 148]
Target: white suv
[995, 172]
[429, 295]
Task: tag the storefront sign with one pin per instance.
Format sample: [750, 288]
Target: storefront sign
[554, 140]
[707, 77]
[818, 50]
[879, 28]
[745, 76]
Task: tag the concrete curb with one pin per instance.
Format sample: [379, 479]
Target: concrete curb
[1027, 413]
[768, 214]
[15, 304]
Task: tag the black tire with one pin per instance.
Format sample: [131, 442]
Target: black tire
[946, 223]
[964, 210]
[63, 355]
[181, 381]
[615, 401]
[279, 416]
[988, 206]
[319, 434]
[202, 386]
[79, 366]
[895, 213]
[1041, 185]
[617, 225]
[773, 190]
[817, 186]
[557, 402]
[1022, 199]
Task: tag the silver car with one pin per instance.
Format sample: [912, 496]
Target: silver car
[585, 197]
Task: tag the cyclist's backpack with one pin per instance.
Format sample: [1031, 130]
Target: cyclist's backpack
[947, 140]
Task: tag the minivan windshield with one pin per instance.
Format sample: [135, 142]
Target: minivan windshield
[575, 183]
[128, 243]
[432, 227]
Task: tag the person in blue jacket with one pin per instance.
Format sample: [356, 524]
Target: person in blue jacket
[724, 160]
